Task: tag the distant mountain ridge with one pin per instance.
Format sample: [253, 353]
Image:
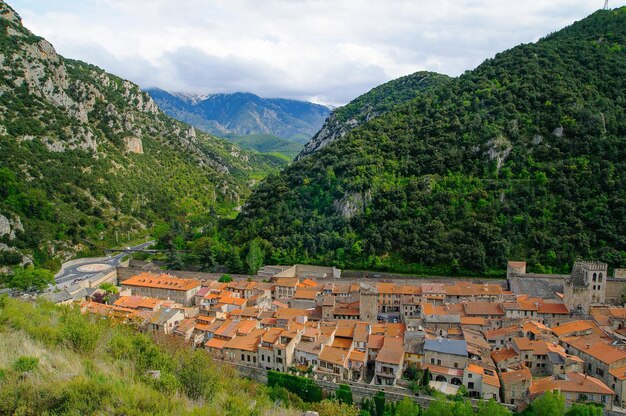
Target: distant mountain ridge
[243, 114]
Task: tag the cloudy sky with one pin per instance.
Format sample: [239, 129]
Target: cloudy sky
[327, 51]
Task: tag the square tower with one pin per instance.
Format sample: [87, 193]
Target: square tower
[585, 286]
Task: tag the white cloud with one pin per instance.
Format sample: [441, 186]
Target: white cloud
[324, 50]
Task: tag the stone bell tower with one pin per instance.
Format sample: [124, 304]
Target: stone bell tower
[586, 286]
[368, 303]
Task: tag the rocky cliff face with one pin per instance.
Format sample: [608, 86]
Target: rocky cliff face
[373, 104]
[84, 153]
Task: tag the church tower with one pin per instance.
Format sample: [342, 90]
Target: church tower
[368, 303]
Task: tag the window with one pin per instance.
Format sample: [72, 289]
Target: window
[600, 278]
[456, 365]
[438, 362]
[243, 358]
[432, 361]
[470, 385]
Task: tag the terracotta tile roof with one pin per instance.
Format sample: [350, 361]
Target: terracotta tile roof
[287, 313]
[385, 288]
[489, 376]
[571, 327]
[503, 354]
[553, 308]
[433, 288]
[344, 343]
[358, 356]
[308, 294]
[345, 329]
[618, 313]
[619, 373]
[512, 376]
[502, 332]
[597, 348]
[483, 308]
[215, 343]
[472, 320]
[394, 330]
[334, 355]
[162, 281]
[286, 282]
[392, 351]
[136, 302]
[437, 369]
[535, 327]
[573, 382]
[248, 342]
[375, 342]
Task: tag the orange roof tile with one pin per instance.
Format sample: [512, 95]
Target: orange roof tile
[511, 376]
[162, 281]
[334, 355]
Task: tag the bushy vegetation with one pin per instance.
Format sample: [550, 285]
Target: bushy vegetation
[522, 158]
[77, 364]
[73, 183]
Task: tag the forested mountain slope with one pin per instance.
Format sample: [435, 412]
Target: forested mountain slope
[523, 157]
[85, 154]
[244, 114]
[372, 104]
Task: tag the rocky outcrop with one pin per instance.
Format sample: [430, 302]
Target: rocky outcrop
[134, 145]
[10, 226]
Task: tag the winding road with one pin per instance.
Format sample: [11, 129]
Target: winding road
[73, 273]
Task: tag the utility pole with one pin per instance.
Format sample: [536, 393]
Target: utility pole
[117, 241]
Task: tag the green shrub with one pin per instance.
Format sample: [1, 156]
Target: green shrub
[25, 364]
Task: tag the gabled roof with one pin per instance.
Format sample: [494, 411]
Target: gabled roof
[483, 308]
[334, 355]
[392, 351]
[512, 376]
[447, 346]
[570, 382]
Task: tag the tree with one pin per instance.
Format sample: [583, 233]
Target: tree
[226, 278]
[109, 288]
[407, 407]
[205, 253]
[426, 377]
[549, 403]
[254, 259]
[581, 409]
[233, 261]
[334, 408]
[379, 403]
[30, 278]
[491, 408]
[344, 394]
[174, 261]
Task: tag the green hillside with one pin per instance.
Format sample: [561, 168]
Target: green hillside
[372, 104]
[85, 154]
[523, 157]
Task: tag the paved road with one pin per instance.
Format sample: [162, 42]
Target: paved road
[71, 275]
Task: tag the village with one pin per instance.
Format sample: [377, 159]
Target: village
[510, 341]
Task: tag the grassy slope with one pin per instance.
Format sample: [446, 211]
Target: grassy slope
[89, 365]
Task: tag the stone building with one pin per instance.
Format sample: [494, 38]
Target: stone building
[368, 303]
[586, 286]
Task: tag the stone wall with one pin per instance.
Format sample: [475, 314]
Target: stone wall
[614, 289]
[124, 273]
[359, 390]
